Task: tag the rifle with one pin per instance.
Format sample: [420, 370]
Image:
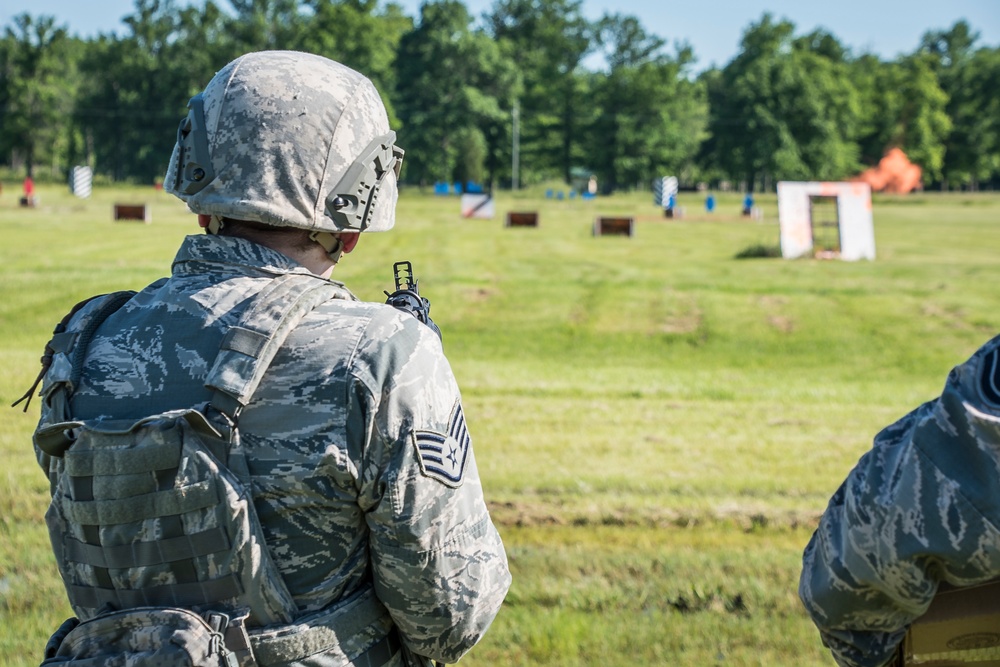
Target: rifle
[407, 296]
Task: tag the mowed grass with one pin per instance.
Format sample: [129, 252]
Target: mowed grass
[658, 425]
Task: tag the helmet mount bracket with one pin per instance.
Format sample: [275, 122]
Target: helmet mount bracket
[194, 166]
[352, 200]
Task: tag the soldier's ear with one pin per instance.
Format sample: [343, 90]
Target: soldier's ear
[349, 239]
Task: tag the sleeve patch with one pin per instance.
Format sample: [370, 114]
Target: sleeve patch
[443, 456]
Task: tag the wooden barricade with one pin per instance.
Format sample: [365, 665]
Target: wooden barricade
[521, 219]
[614, 226]
[138, 212]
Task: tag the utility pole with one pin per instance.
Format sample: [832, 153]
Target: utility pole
[516, 153]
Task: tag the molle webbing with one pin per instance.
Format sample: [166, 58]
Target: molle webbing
[169, 595]
[156, 512]
[138, 507]
[144, 554]
[121, 462]
[130, 478]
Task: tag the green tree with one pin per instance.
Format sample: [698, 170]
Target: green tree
[138, 85]
[902, 106]
[651, 116]
[262, 25]
[454, 92]
[38, 82]
[361, 35]
[969, 77]
[784, 108]
[202, 37]
[548, 39]
[876, 132]
[951, 47]
[972, 150]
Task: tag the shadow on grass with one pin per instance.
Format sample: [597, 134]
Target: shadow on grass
[757, 251]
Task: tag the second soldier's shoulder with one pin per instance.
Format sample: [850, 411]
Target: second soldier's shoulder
[978, 378]
[990, 346]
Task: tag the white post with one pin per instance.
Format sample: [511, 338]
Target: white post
[516, 158]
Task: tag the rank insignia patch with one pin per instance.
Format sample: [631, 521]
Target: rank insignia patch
[443, 455]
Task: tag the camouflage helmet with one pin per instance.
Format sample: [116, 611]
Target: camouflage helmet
[288, 139]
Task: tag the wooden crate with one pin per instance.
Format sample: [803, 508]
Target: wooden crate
[521, 219]
[138, 212]
[614, 226]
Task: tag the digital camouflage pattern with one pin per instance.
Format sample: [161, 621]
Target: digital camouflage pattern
[283, 129]
[161, 637]
[144, 514]
[343, 491]
[921, 507]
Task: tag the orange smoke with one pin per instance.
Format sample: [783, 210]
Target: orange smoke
[894, 173]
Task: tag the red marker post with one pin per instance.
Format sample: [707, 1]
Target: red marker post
[28, 199]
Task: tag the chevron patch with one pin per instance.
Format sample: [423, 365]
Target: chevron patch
[443, 455]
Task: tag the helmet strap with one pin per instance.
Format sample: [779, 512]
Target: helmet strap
[331, 243]
[215, 225]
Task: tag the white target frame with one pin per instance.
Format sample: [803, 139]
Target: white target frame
[854, 213]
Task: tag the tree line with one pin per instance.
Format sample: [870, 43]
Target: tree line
[466, 93]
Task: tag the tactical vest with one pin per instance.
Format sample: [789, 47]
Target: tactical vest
[154, 528]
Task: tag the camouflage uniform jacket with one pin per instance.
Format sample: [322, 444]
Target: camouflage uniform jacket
[344, 439]
[921, 507]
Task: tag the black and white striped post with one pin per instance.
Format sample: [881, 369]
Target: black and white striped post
[80, 181]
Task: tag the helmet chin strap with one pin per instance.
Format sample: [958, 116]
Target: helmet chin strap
[213, 225]
[331, 243]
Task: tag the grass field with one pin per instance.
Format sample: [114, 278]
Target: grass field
[658, 425]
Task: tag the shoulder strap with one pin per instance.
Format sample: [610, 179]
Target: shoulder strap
[249, 347]
[64, 339]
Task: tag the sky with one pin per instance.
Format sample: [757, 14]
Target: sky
[712, 27]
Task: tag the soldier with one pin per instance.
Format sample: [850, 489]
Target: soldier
[922, 507]
[357, 453]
